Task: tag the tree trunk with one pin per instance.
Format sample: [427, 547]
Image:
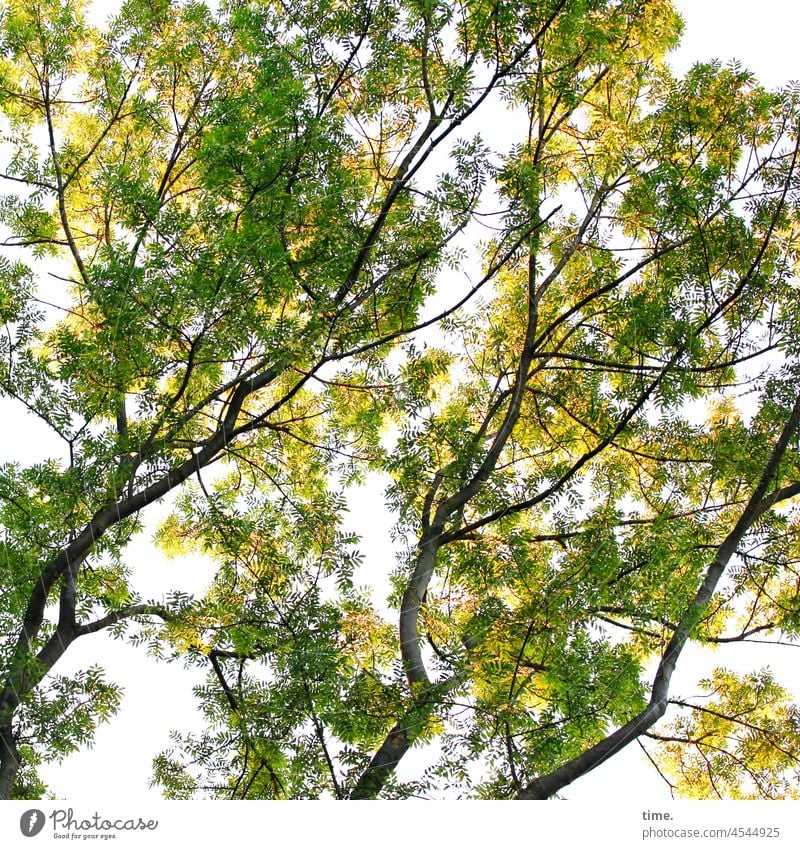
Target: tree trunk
[9, 762]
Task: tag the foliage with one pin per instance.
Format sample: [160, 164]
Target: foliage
[257, 254]
[740, 745]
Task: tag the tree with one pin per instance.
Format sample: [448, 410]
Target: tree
[254, 255]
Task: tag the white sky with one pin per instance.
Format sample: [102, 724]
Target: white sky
[158, 696]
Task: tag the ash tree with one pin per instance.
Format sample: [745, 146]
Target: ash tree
[495, 255]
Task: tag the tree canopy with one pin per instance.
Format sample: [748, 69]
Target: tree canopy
[496, 253]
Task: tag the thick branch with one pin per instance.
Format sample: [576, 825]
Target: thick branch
[400, 739]
[546, 785]
[106, 518]
[432, 538]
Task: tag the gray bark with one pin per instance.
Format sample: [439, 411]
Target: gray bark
[9, 761]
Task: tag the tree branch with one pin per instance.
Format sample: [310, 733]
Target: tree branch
[550, 783]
